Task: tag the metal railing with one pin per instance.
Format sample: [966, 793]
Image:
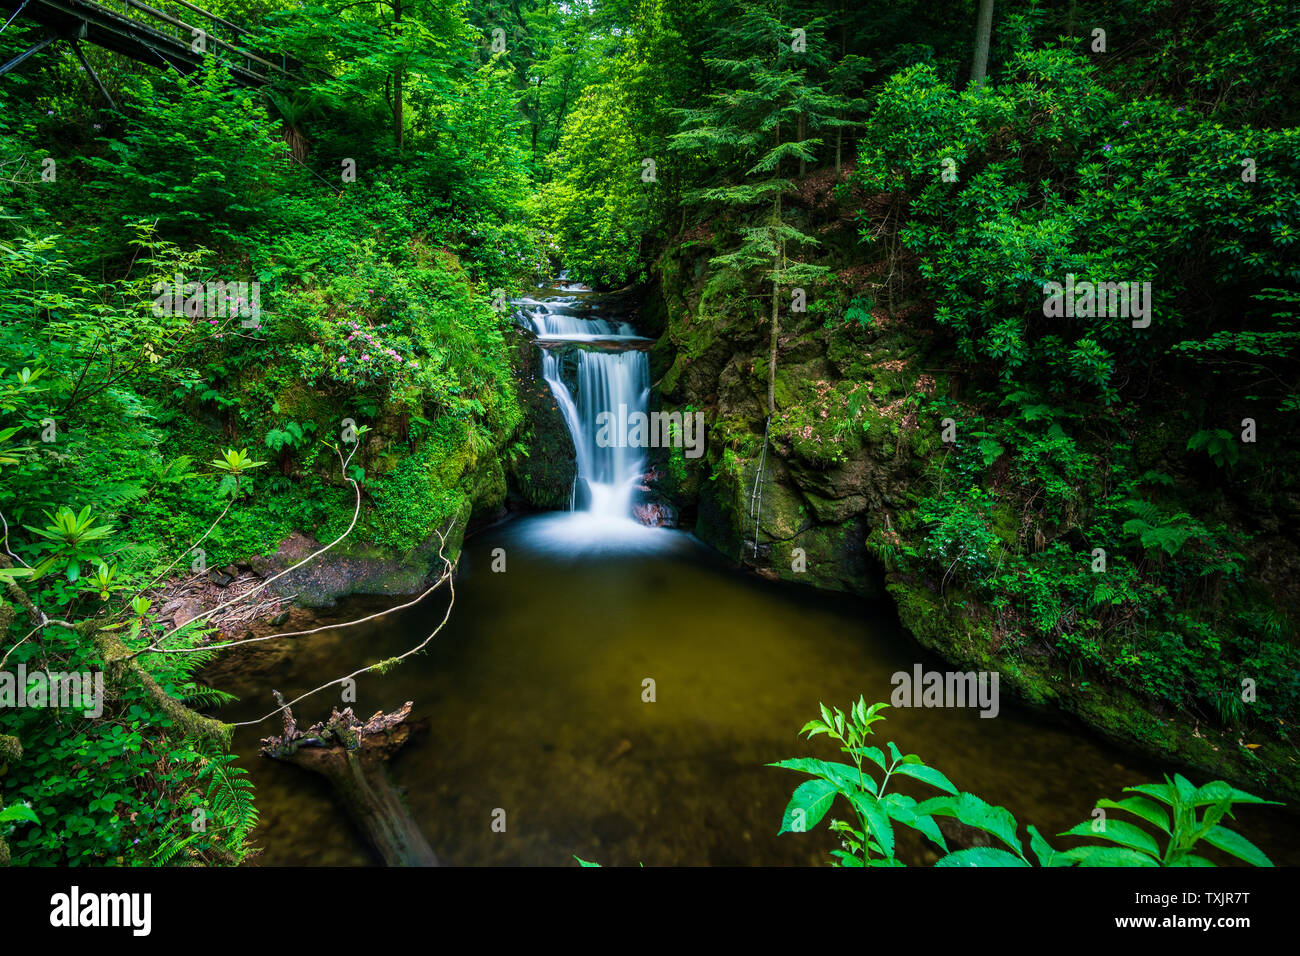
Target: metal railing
[160, 20]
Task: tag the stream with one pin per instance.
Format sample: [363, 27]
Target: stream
[533, 694]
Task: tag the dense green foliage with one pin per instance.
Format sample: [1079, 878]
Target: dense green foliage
[1107, 500]
[1057, 175]
[375, 297]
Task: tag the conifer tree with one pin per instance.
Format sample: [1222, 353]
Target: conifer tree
[753, 133]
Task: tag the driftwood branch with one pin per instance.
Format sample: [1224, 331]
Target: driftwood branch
[353, 755]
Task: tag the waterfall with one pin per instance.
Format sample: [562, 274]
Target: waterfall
[608, 471]
[588, 380]
[559, 325]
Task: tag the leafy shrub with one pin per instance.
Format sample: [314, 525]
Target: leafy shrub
[1180, 814]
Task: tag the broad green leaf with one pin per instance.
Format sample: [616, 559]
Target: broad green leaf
[926, 775]
[814, 798]
[877, 820]
[1107, 856]
[1231, 842]
[902, 809]
[18, 812]
[841, 774]
[1140, 807]
[1117, 831]
[1216, 790]
[1160, 791]
[974, 812]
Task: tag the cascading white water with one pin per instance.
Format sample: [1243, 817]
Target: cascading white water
[554, 324]
[605, 369]
[609, 467]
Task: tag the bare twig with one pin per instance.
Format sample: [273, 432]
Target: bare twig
[451, 585]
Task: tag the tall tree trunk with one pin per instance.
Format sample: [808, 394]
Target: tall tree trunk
[803, 129]
[776, 313]
[771, 355]
[983, 33]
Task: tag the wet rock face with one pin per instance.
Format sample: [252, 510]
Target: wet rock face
[794, 542]
[543, 478]
[354, 568]
[829, 476]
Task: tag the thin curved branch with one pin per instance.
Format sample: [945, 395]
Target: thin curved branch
[451, 584]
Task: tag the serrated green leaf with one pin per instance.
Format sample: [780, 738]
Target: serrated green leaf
[1140, 807]
[1107, 856]
[846, 777]
[878, 823]
[902, 809]
[1160, 791]
[814, 798]
[1117, 831]
[1231, 842]
[974, 812]
[926, 775]
[1217, 790]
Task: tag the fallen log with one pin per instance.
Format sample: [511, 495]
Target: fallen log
[353, 755]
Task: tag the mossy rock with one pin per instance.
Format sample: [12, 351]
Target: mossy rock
[542, 469]
[1112, 711]
[488, 494]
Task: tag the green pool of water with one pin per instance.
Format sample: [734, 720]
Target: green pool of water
[533, 700]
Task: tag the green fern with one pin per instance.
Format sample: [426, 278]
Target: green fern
[174, 844]
[1218, 443]
[230, 798]
[197, 696]
[1156, 531]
